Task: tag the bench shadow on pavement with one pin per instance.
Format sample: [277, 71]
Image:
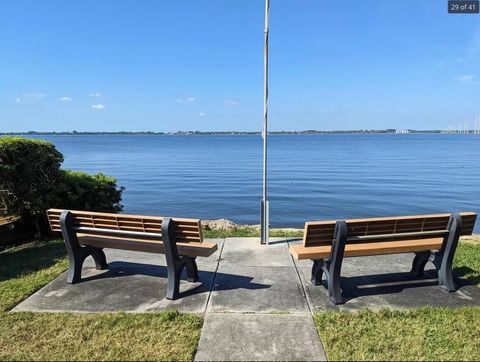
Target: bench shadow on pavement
[281, 241]
[390, 283]
[117, 269]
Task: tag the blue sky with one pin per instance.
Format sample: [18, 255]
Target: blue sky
[197, 65]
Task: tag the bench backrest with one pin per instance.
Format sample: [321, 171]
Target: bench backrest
[186, 230]
[381, 229]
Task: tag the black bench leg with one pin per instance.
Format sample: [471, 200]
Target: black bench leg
[332, 273]
[75, 263]
[175, 263]
[99, 257]
[76, 253]
[174, 275]
[333, 266]
[445, 273]
[443, 259]
[77, 258]
[445, 278]
[419, 262]
[317, 272]
[192, 269]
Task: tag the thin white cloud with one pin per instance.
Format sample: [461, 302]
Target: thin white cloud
[97, 95]
[188, 99]
[231, 102]
[202, 114]
[466, 78]
[30, 97]
[65, 99]
[98, 106]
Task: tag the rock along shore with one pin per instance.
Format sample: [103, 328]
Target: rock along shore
[228, 225]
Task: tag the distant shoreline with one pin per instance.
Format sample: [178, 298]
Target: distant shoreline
[223, 133]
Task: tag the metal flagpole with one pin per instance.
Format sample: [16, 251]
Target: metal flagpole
[264, 220]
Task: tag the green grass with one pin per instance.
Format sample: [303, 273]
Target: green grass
[247, 231]
[422, 334]
[467, 261]
[27, 268]
[167, 335]
[99, 336]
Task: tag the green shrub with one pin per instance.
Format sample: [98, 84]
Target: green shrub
[31, 182]
[29, 175]
[81, 191]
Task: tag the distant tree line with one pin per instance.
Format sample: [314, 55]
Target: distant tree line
[221, 133]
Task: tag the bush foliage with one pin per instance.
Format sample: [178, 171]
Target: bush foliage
[29, 174]
[32, 181]
[81, 191]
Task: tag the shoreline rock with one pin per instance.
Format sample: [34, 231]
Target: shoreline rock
[219, 224]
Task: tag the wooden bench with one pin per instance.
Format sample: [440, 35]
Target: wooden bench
[87, 233]
[431, 237]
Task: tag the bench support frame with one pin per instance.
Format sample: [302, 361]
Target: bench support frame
[76, 252]
[317, 272]
[333, 265]
[443, 258]
[175, 262]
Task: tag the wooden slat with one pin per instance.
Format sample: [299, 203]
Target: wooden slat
[99, 214]
[203, 249]
[324, 222]
[326, 240]
[188, 239]
[399, 235]
[124, 233]
[186, 230]
[302, 252]
[321, 232]
[5, 220]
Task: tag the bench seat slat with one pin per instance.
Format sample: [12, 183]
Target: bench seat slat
[301, 252]
[398, 235]
[84, 229]
[203, 249]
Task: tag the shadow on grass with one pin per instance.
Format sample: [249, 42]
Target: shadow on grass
[472, 275]
[26, 259]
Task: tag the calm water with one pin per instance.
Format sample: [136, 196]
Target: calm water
[311, 176]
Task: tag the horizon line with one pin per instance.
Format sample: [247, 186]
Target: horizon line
[308, 131]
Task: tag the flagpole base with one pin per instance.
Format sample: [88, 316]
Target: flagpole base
[264, 222]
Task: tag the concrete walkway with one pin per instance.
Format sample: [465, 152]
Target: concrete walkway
[257, 301]
[262, 316]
